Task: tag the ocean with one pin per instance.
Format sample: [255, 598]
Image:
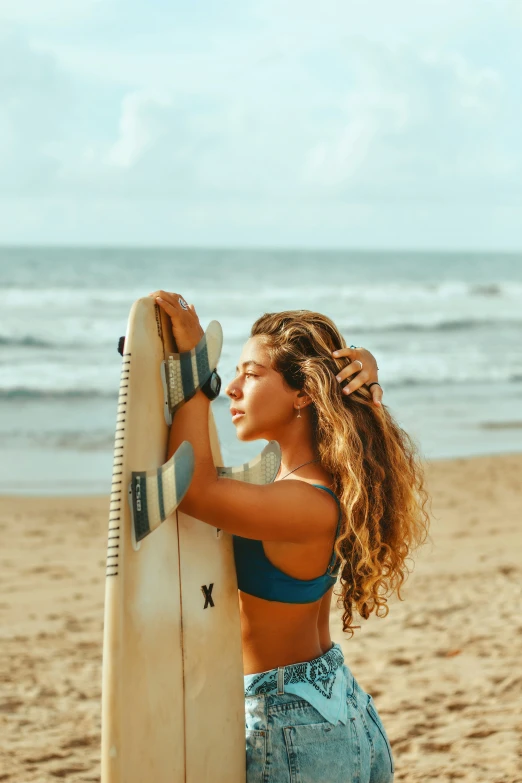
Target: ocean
[446, 329]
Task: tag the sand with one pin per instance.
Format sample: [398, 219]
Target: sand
[444, 667]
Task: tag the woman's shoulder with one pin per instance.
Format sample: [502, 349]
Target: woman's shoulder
[323, 487]
[323, 481]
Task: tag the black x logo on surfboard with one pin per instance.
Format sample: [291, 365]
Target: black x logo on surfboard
[207, 592]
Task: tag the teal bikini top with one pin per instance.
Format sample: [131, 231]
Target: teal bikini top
[257, 576]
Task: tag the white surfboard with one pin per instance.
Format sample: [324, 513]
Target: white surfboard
[172, 681]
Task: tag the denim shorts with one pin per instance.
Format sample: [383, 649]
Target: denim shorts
[289, 741]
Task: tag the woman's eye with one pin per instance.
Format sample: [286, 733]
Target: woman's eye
[250, 375]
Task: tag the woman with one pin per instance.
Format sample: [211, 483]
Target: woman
[348, 501]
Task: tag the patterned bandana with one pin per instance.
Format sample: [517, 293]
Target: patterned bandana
[322, 682]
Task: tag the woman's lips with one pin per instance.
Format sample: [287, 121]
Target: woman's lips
[236, 414]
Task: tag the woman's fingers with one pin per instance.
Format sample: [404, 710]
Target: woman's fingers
[340, 353]
[355, 384]
[166, 305]
[361, 380]
[350, 369]
[376, 392]
[186, 327]
[364, 369]
[173, 304]
[170, 299]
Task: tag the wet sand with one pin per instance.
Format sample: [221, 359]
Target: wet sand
[443, 667]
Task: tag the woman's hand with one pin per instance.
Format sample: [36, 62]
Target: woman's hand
[186, 328]
[366, 371]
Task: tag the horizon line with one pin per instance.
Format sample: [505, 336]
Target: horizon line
[258, 248]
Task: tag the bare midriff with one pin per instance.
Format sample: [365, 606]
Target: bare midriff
[279, 634]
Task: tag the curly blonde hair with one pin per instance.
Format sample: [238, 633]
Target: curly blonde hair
[377, 473]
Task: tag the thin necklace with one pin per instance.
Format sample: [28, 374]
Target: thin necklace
[297, 468]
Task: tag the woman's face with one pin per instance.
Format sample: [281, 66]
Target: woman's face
[264, 403]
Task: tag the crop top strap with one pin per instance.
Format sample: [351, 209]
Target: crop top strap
[333, 558]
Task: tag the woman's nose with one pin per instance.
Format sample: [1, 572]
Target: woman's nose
[232, 390]
[229, 390]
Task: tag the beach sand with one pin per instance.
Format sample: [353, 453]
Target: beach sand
[443, 667]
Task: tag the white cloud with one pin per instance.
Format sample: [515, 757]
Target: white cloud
[418, 126]
[140, 128]
[273, 104]
[401, 123]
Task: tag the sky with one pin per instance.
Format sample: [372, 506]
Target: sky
[252, 123]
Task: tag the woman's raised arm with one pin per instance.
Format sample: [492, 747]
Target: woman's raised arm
[290, 511]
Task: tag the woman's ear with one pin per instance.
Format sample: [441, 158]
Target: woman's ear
[303, 399]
